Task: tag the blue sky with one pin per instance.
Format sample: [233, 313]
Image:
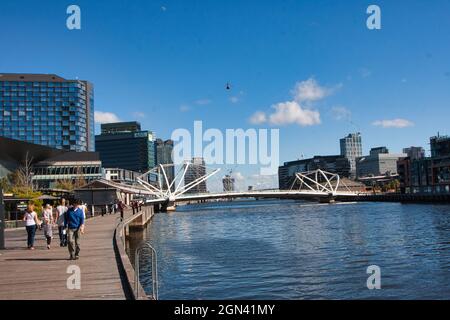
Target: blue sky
[166, 63]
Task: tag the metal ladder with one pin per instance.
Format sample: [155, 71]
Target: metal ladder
[137, 258]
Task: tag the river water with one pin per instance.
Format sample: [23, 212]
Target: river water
[300, 250]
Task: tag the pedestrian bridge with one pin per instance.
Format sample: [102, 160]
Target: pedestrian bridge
[313, 185]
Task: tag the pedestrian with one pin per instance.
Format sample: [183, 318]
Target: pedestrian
[121, 207]
[31, 223]
[110, 208]
[47, 218]
[74, 222]
[60, 213]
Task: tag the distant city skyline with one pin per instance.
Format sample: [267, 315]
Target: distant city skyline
[315, 71]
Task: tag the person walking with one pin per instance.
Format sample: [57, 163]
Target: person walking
[31, 223]
[60, 213]
[121, 207]
[47, 218]
[74, 222]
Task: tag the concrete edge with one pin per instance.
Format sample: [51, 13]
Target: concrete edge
[126, 269]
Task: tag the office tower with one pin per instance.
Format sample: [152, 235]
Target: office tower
[351, 148]
[195, 171]
[48, 110]
[440, 146]
[415, 153]
[126, 146]
[164, 156]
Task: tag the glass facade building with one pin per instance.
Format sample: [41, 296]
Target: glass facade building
[47, 110]
[131, 150]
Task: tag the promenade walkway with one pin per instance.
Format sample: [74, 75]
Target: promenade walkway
[42, 273]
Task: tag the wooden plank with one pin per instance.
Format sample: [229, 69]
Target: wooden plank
[42, 274]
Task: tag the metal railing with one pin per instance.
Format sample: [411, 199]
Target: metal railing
[137, 255]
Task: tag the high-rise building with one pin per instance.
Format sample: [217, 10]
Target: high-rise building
[351, 148]
[228, 183]
[121, 147]
[195, 171]
[48, 110]
[415, 153]
[164, 156]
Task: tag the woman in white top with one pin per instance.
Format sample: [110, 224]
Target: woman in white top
[47, 218]
[31, 222]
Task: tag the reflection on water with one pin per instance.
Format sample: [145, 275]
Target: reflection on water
[298, 250]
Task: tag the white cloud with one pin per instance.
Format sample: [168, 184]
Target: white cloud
[203, 102]
[105, 117]
[234, 99]
[258, 117]
[394, 123]
[291, 112]
[309, 90]
[184, 108]
[341, 113]
[295, 111]
[138, 114]
[365, 73]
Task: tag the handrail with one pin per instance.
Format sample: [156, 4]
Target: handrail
[137, 255]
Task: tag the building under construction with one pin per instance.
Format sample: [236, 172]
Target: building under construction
[196, 170]
[228, 183]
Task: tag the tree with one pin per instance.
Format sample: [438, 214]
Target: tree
[24, 174]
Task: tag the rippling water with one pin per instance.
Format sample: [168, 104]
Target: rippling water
[299, 250]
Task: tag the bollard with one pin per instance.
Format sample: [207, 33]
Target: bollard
[2, 221]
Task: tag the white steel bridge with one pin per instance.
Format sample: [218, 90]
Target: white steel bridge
[314, 185]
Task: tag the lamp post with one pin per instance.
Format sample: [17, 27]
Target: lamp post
[2, 221]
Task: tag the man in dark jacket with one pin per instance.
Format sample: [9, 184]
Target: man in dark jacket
[74, 223]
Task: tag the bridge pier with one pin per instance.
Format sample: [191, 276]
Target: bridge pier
[329, 199]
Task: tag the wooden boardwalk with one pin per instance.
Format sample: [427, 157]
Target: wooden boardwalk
[42, 273]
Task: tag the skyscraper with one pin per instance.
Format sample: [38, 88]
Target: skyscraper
[126, 146]
[164, 156]
[48, 110]
[351, 148]
[195, 171]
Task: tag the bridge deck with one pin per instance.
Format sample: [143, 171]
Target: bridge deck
[41, 274]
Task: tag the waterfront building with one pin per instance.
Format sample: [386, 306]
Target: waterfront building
[164, 156]
[195, 171]
[440, 146]
[48, 110]
[228, 183]
[121, 175]
[334, 164]
[427, 175]
[76, 168]
[126, 146]
[351, 148]
[414, 152]
[378, 163]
